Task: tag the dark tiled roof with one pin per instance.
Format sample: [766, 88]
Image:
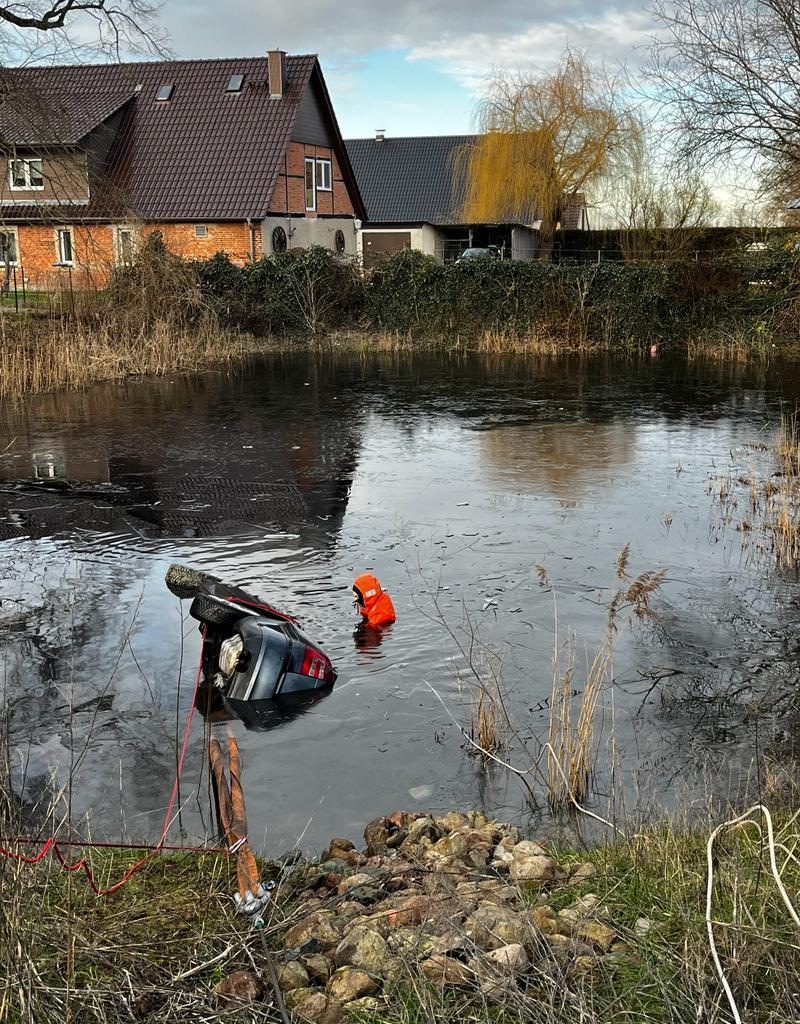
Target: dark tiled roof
[205, 154]
[48, 117]
[572, 214]
[409, 180]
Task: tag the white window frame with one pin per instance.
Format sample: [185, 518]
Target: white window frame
[310, 161]
[324, 164]
[119, 230]
[60, 261]
[26, 174]
[15, 233]
[201, 231]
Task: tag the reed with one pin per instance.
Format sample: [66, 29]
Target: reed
[45, 355]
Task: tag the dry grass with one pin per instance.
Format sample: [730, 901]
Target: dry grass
[45, 355]
[573, 736]
[761, 500]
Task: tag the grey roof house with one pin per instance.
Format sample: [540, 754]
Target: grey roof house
[413, 199]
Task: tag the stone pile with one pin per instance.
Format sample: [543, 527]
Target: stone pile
[457, 899]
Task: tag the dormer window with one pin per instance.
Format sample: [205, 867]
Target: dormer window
[25, 174]
[164, 93]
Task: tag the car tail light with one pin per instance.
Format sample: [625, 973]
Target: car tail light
[316, 665]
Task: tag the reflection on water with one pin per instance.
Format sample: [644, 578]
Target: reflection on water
[564, 460]
[452, 479]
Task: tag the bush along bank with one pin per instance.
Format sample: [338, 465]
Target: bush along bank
[750, 297]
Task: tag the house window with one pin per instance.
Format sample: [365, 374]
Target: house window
[25, 174]
[8, 248]
[201, 231]
[124, 247]
[324, 176]
[64, 246]
[311, 185]
[164, 93]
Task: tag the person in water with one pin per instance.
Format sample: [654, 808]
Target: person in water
[372, 601]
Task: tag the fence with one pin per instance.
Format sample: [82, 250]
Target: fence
[62, 290]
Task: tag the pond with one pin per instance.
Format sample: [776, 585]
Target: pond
[488, 495]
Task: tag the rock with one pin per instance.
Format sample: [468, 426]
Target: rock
[319, 967]
[493, 925]
[512, 958]
[393, 842]
[497, 990]
[445, 970]
[242, 988]
[348, 984]
[544, 920]
[354, 882]
[421, 828]
[341, 844]
[364, 948]
[643, 926]
[533, 869]
[367, 1003]
[453, 822]
[298, 996]
[317, 1009]
[334, 866]
[527, 849]
[502, 855]
[597, 934]
[451, 847]
[408, 911]
[292, 975]
[582, 873]
[376, 835]
[317, 926]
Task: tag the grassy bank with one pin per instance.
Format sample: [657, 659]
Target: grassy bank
[616, 932]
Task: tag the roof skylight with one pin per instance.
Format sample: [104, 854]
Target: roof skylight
[164, 93]
[235, 83]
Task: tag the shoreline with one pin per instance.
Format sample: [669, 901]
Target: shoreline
[66, 357]
[437, 917]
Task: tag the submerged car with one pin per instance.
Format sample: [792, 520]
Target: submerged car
[256, 661]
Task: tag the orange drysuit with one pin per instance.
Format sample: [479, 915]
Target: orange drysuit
[376, 605]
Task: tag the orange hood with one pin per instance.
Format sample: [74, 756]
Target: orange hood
[378, 609]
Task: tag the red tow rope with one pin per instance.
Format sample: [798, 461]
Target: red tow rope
[52, 844]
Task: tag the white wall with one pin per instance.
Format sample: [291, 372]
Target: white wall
[303, 232]
[425, 238]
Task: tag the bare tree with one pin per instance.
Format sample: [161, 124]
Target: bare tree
[544, 140]
[35, 30]
[728, 72]
[661, 205]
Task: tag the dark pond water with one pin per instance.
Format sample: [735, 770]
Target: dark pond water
[454, 478]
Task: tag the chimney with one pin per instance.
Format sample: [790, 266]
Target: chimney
[277, 73]
[380, 134]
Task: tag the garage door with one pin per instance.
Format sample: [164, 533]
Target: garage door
[379, 244]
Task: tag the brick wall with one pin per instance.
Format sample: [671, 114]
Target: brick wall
[37, 256]
[94, 249]
[290, 191]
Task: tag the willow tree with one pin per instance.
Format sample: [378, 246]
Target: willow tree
[544, 141]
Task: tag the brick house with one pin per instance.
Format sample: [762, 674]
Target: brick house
[242, 156]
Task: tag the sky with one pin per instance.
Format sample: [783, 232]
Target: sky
[410, 67]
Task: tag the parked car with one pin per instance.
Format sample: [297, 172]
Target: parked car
[477, 253]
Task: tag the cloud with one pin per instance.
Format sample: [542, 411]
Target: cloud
[199, 28]
[613, 37]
